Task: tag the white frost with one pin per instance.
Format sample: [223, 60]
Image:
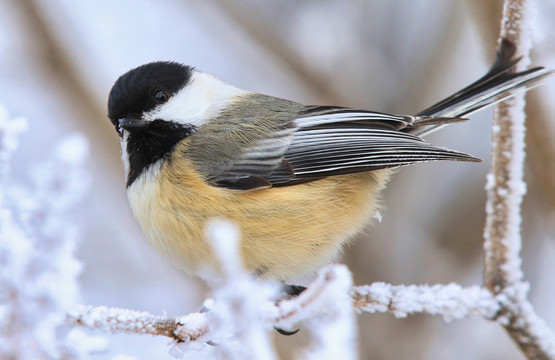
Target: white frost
[73, 149]
[333, 328]
[38, 275]
[450, 301]
[236, 313]
[502, 234]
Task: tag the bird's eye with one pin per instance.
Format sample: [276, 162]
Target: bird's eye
[160, 96]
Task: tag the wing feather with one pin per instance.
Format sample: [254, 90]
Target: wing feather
[311, 142]
[328, 141]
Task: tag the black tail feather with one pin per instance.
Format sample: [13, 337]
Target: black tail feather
[492, 87]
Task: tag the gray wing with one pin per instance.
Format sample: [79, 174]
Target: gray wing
[328, 141]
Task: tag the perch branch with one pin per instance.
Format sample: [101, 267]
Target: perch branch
[450, 301]
[189, 328]
[195, 327]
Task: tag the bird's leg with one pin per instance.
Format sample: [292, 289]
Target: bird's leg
[290, 291]
[204, 309]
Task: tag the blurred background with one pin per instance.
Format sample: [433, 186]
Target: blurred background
[59, 59]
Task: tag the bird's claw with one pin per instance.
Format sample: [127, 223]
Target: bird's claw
[290, 291]
[293, 290]
[286, 332]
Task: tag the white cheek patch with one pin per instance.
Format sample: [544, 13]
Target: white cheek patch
[200, 100]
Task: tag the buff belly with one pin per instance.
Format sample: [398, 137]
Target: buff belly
[285, 231]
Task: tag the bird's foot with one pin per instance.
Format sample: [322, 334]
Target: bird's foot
[289, 292]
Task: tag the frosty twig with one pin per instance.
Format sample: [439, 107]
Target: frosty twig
[183, 329]
[502, 265]
[449, 301]
[199, 327]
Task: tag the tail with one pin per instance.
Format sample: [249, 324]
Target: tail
[495, 86]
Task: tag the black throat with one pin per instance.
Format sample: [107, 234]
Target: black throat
[155, 142]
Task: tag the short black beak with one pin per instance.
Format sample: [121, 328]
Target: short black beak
[132, 124]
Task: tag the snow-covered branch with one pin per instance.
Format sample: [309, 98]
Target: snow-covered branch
[505, 189]
[505, 185]
[328, 292]
[451, 301]
[194, 330]
[38, 277]
[187, 329]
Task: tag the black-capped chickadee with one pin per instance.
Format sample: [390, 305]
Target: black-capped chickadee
[299, 181]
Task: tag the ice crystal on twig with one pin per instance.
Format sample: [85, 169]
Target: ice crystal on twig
[38, 277]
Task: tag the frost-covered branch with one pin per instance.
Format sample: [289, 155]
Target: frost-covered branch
[38, 269]
[325, 303]
[189, 328]
[239, 316]
[451, 301]
[505, 188]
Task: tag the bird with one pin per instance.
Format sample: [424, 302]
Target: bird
[298, 181]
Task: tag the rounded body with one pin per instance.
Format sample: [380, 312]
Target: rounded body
[285, 231]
